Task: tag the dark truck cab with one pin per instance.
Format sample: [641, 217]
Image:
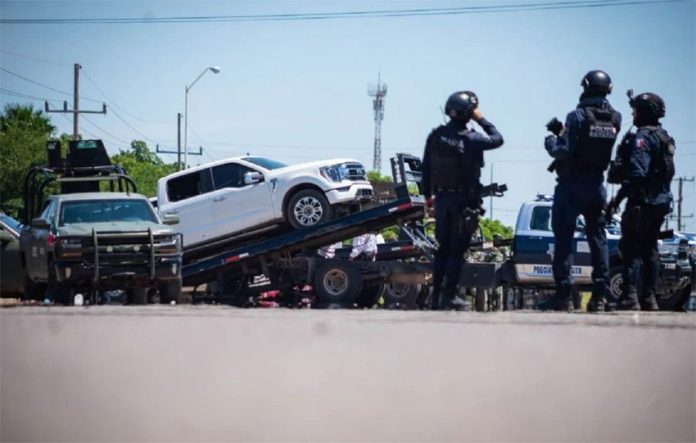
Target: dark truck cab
[96, 233]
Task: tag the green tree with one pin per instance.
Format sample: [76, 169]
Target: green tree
[376, 177]
[143, 166]
[24, 132]
[491, 228]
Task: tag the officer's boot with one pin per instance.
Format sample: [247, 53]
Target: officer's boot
[596, 304]
[560, 301]
[457, 304]
[649, 302]
[629, 300]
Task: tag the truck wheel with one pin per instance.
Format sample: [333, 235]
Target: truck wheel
[337, 283]
[137, 296]
[170, 292]
[57, 291]
[369, 296]
[33, 290]
[615, 283]
[401, 295]
[480, 299]
[308, 207]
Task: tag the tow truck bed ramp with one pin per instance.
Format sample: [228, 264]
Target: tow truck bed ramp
[308, 239]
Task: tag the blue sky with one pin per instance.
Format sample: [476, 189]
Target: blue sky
[297, 90]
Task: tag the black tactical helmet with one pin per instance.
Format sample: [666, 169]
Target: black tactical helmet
[461, 105]
[597, 82]
[647, 103]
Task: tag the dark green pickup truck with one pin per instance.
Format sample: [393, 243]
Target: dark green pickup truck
[94, 241]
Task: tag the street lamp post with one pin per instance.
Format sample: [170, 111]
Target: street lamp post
[214, 70]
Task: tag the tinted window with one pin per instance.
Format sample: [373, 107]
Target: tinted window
[265, 162]
[541, 218]
[189, 185]
[230, 175]
[95, 211]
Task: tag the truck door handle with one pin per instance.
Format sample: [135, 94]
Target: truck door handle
[173, 212]
[218, 199]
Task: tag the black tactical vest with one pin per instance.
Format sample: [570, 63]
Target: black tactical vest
[662, 158]
[618, 169]
[447, 159]
[596, 139]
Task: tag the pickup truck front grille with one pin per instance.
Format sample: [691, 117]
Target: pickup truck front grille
[118, 249]
[356, 172]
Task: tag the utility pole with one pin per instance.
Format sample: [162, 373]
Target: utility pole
[76, 104]
[680, 199]
[178, 141]
[378, 92]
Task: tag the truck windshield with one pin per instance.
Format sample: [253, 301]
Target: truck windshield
[96, 211]
[265, 162]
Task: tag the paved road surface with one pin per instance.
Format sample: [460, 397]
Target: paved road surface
[217, 373]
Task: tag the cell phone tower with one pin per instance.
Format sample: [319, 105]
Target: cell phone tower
[378, 91]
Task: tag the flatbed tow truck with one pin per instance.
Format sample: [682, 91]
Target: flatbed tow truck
[288, 261]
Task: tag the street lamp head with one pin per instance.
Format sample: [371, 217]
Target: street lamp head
[215, 69]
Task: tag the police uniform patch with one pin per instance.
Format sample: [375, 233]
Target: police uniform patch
[640, 143]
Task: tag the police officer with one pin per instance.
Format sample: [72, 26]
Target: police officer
[451, 169]
[582, 151]
[644, 166]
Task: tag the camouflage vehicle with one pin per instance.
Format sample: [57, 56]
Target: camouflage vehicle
[86, 242]
[87, 230]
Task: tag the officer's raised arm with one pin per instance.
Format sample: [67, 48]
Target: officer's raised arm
[494, 139]
[561, 146]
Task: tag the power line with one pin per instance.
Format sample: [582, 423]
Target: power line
[42, 85]
[105, 131]
[342, 15]
[109, 100]
[28, 96]
[33, 58]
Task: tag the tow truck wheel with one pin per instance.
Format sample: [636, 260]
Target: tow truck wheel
[370, 295]
[308, 207]
[137, 296]
[401, 295]
[337, 284]
[170, 292]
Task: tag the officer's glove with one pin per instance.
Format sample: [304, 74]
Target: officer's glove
[555, 126]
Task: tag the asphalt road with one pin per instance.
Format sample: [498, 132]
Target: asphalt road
[186, 373]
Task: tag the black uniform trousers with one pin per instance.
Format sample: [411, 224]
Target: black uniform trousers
[453, 238]
[640, 227]
[572, 197]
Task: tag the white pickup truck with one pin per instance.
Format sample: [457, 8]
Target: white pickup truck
[235, 196]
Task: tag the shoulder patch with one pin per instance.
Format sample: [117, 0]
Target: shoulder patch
[641, 143]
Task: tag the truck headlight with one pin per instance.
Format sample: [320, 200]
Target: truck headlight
[335, 173]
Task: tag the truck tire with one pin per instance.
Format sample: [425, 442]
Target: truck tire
[615, 283]
[337, 284]
[58, 292]
[369, 296]
[480, 299]
[170, 292]
[137, 296]
[308, 207]
[33, 290]
[401, 296]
